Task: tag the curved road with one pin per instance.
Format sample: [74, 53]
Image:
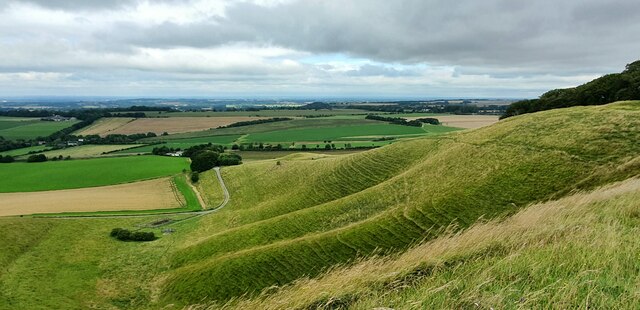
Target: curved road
[194, 213]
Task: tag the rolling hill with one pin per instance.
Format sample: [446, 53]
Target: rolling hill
[300, 217]
[363, 230]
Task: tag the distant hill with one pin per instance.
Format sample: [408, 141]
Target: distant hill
[609, 88]
[317, 106]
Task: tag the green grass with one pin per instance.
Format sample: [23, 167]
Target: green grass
[183, 143]
[191, 201]
[266, 127]
[311, 213]
[28, 177]
[303, 216]
[264, 113]
[340, 133]
[86, 151]
[578, 252]
[25, 150]
[14, 130]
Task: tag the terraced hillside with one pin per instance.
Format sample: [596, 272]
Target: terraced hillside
[298, 217]
[579, 251]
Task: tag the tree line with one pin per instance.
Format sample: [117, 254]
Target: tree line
[606, 89]
[258, 121]
[404, 122]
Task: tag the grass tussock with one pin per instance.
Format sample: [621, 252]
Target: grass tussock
[579, 251]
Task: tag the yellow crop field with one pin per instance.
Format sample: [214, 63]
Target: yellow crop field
[145, 195]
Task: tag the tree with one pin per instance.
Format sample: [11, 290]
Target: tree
[204, 161]
[6, 159]
[229, 160]
[195, 177]
[37, 158]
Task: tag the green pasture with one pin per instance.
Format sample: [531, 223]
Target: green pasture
[53, 175]
[14, 130]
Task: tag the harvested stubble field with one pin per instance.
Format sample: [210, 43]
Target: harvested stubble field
[145, 195]
[87, 151]
[463, 121]
[161, 125]
[105, 126]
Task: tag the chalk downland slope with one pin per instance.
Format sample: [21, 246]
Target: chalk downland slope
[300, 217]
[579, 251]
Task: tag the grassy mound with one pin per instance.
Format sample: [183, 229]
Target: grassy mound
[301, 217]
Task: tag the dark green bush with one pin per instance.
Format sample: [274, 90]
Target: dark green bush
[37, 158]
[126, 235]
[195, 177]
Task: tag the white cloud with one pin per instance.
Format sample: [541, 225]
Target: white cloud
[406, 47]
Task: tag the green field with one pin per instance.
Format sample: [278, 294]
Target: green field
[29, 177]
[266, 127]
[305, 214]
[183, 144]
[14, 130]
[263, 113]
[86, 151]
[344, 133]
[25, 150]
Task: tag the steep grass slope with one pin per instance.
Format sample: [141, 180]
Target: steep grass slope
[301, 217]
[576, 252]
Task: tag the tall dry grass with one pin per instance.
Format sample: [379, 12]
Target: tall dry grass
[578, 251]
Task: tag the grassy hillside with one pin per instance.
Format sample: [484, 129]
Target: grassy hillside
[579, 251]
[300, 215]
[29, 177]
[303, 216]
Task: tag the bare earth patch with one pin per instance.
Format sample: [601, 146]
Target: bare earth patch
[177, 124]
[464, 121]
[145, 195]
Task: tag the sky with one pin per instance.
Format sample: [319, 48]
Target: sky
[312, 48]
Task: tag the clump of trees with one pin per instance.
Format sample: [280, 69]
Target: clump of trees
[603, 90]
[37, 158]
[6, 159]
[127, 235]
[404, 122]
[206, 156]
[258, 121]
[429, 120]
[164, 150]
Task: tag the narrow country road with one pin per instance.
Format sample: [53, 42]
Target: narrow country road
[195, 214]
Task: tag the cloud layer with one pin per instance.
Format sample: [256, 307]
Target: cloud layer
[408, 48]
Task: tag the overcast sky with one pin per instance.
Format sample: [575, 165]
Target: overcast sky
[312, 48]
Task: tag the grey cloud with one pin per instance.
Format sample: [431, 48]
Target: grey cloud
[545, 34]
[374, 70]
